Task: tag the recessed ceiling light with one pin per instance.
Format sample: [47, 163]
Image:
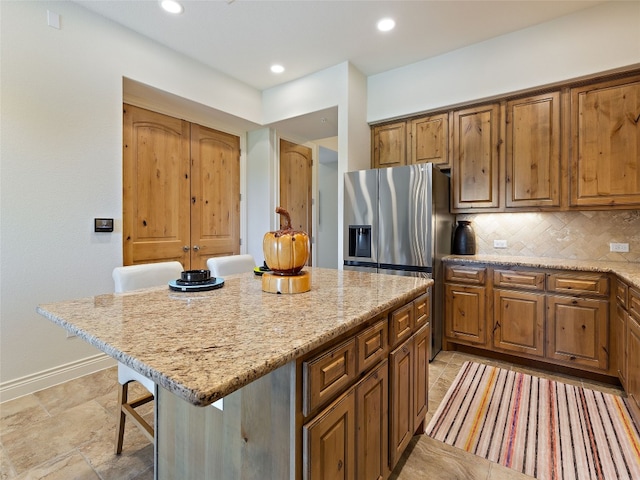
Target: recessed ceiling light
[171, 6]
[386, 24]
[277, 68]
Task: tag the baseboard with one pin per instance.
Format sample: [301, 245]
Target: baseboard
[13, 389]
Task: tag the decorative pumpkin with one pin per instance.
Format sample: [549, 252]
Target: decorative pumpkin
[286, 250]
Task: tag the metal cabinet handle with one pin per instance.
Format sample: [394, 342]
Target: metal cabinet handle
[185, 248]
[196, 248]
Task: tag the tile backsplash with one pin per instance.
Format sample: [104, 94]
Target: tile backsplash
[583, 235]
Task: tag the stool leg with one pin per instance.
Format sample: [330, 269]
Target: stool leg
[122, 399]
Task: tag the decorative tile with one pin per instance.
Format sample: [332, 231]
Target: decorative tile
[583, 235]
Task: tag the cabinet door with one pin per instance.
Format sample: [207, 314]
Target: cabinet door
[329, 442]
[519, 322]
[619, 343]
[475, 168]
[296, 187]
[421, 345]
[402, 364]
[372, 413]
[389, 145]
[633, 364]
[155, 167]
[605, 163]
[465, 313]
[430, 140]
[577, 331]
[533, 151]
[215, 195]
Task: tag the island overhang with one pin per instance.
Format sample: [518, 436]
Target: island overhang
[202, 346]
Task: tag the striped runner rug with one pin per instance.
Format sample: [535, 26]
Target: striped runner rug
[543, 428]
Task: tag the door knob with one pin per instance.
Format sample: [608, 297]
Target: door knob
[196, 248]
[185, 248]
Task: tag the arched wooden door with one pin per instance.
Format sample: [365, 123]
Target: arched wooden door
[215, 195]
[296, 166]
[156, 188]
[181, 190]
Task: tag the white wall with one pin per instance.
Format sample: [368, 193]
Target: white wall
[342, 85]
[61, 164]
[261, 192]
[327, 232]
[603, 37]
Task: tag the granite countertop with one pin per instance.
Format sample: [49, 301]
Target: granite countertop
[629, 272]
[203, 346]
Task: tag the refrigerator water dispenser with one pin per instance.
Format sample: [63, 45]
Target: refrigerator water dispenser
[360, 241]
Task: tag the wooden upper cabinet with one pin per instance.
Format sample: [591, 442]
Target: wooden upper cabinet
[533, 151]
[605, 158]
[389, 145]
[430, 140]
[476, 148]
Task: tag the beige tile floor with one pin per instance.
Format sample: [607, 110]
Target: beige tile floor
[67, 432]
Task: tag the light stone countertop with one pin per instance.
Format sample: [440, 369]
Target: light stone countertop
[203, 346]
[627, 271]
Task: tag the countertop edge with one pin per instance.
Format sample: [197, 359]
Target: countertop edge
[205, 398]
[627, 271]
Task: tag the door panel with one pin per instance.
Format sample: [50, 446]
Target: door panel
[215, 195]
[296, 186]
[156, 187]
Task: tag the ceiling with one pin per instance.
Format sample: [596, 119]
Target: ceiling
[242, 38]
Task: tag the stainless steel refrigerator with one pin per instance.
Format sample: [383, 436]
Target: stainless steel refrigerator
[397, 221]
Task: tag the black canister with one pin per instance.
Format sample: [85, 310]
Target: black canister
[464, 239]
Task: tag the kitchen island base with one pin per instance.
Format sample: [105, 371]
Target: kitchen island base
[252, 437]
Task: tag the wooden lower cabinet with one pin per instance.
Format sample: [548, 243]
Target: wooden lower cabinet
[402, 368]
[422, 347]
[633, 365]
[409, 391]
[360, 429]
[619, 343]
[518, 319]
[556, 316]
[578, 331]
[465, 313]
[359, 417]
[329, 441]
[372, 429]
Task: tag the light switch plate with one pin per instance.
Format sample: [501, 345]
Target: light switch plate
[53, 19]
[499, 244]
[619, 247]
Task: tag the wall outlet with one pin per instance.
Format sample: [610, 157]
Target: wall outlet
[619, 247]
[499, 244]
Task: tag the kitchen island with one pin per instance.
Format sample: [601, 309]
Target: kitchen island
[249, 347]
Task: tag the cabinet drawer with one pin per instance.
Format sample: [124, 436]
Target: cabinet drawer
[371, 345]
[518, 279]
[401, 323]
[622, 291]
[465, 274]
[422, 310]
[634, 303]
[585, 283]
[327, 374]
